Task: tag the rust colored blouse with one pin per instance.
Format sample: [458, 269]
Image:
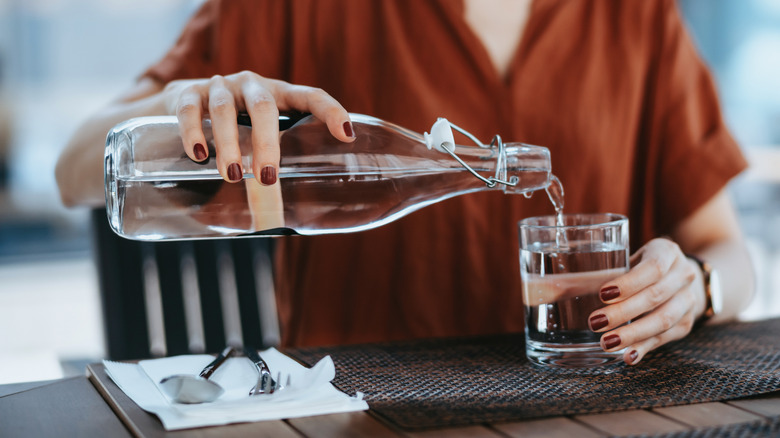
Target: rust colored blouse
[615, 89]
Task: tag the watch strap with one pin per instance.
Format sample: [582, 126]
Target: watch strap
[706, 270]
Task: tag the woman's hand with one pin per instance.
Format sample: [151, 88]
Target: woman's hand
[662, 295]
[221, 98]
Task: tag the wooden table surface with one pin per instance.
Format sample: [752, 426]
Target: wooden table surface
[75, 407]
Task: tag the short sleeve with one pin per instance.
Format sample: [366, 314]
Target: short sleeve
[193, 54]
[228, 36]
[696, 155]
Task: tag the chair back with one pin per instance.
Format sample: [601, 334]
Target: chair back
[168, 298]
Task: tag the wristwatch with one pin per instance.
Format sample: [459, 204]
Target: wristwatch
[712, 290]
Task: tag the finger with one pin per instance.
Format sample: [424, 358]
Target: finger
[645, 273]
[189, 111]
[659, 321]
[262, 110]
[321, 104]
[223, 113]
[636, 352]
[678, 279]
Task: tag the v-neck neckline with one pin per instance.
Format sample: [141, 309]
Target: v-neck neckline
[478, 52]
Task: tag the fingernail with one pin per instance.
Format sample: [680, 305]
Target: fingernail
[268, 175]
[598, 322]
[200, 152]
[348, 130]
[611, 341]
[632, 356]
[234, 172]
[609, 293]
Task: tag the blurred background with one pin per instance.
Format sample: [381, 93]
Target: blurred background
[61, 60]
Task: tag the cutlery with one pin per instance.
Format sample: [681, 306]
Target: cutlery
[265, 383]
[189, 389]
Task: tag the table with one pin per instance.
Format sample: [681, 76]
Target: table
[75, 407]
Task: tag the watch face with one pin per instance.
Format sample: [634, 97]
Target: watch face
[716, 294]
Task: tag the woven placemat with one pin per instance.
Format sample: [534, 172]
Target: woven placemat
[438, 383]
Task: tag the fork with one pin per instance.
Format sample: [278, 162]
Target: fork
[266, 385]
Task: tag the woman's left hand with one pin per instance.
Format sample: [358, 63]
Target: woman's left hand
[662, 295]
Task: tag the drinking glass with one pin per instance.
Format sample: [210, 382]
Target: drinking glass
[564, 261]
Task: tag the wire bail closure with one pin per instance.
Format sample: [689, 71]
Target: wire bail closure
[500, 177]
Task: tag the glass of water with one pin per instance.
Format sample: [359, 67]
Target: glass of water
[564, 261]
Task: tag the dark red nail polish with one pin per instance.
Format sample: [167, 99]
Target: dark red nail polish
[609, 293]
[200, 152]
[598, 322]
[268, 175]
[234, 172]
[348, 129]
[632, 356]
[611, 341]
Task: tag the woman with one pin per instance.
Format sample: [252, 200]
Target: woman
[614, 89]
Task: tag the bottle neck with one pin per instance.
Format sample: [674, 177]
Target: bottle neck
[512, 167]
[519, 168]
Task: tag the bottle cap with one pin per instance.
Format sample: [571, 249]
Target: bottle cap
[441, 136]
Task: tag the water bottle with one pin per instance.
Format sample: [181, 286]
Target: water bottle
[154, 192]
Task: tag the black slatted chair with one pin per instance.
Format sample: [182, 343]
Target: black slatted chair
[169, 298]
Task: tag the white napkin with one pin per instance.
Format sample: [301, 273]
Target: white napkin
[310, 392]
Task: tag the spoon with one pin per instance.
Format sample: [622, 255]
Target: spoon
[186, 388]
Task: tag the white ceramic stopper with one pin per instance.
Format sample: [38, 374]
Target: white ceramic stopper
[441, 136]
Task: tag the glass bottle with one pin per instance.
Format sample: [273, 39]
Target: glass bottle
[155, 192]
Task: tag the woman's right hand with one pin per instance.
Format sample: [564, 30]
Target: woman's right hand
[221, 98]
